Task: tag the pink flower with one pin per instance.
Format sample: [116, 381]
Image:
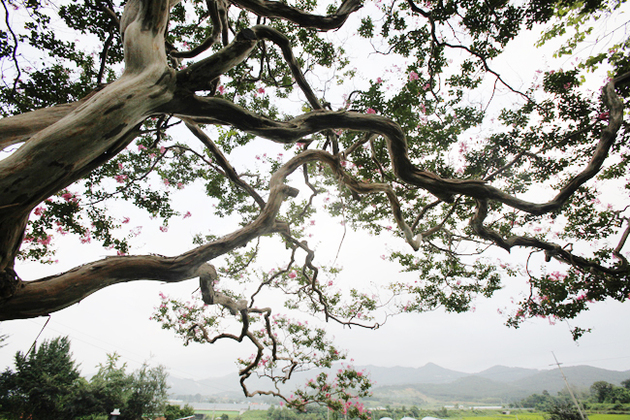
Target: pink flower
[164, 228]
[221, 90]
[166, 181]
[67, 196]
[120, 178]
[162, 150]
[187, 215]
[125, 220]
[141, 147]
[604, 116]
[413, 76]
[45, 241]
[427, 86]
[39, 211]
[292, 275]
[371, 111]
[261, 90]
[379, 80]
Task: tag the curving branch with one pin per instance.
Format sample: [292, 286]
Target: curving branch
[13, 50]
[551, 250]
[53, 293]
[276, 9]
[218, 15]
[222, 161]
[218, 110]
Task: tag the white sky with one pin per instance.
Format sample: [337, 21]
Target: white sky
[117, 318]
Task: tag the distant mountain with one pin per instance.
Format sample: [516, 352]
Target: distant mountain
[581, 377]
[499, 385]
[506, 374]
[427, 374]
[211, 386]
[433, 384]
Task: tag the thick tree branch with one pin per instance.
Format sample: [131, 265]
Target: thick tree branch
[218, 16]
[551, 250]
[276, 9]
[221, 111]
[40, 297]
[20, 128]
[223, 163]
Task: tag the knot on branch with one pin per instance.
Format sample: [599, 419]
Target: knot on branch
[207, 279]
[9, 282]
[246, 35]
[552, 252]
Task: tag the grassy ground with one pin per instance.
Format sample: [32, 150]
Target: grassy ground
[535, 416]
[609, 416]
[518, 415]
[247, 415]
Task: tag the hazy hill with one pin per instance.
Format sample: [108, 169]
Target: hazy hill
[433, 384]
[578, 376]
[427, 374]
[506, 374]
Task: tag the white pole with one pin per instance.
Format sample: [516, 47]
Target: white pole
[575, 401]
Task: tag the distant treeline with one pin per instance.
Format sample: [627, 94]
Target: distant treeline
[602, 397]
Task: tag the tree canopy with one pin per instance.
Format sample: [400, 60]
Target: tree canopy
[46, 384]
[105, 101]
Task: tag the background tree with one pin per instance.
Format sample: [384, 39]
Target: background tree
[601, 391]
[564, 410]
[111, 384]
[136, 394]
[395, 156]
[45, 384]
[148, 392]
[173, 412]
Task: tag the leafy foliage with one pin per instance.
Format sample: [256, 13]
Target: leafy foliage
[46, 385]
[137, 394]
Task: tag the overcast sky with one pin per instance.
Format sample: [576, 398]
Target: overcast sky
[117, 319]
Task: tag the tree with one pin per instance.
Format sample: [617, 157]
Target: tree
[564, 410]
[173, 412]
[601, 391]
[148, 392]
[45, 385]
[142, 392]
[395, 158]
[111, 384]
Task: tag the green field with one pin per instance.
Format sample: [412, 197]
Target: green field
[247, 415]
[536, 416]
[514, 416]
[262, 415]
